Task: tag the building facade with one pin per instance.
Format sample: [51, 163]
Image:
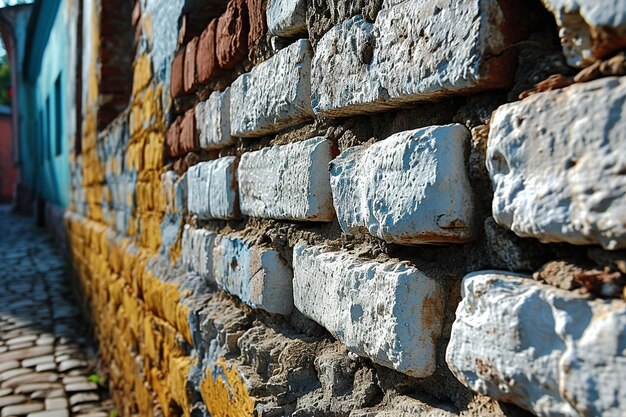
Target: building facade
[327, 208]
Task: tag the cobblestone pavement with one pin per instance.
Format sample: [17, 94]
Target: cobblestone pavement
[44, 366]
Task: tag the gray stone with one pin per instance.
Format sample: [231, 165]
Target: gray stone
[84, 397]
[81, 386]
[544, 349]
[12, 400]
[286, 18]
[51, 413]
[56, 403]
[556, 162]
[288, 182]
[397, 328]
[213, 121]
[415, 51]
[411, 188]
[212, 189]
[70, 364]
[275, 95]
[21, 409]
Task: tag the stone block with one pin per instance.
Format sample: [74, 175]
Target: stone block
[190, 79]
[206, 56]
[389, 312]
[544, 349]
[589, 29]
[172, 140]
[213, 121]
[212, 189]
[178, 74]
[288, 181]
[232, 34]
[411, 188]
[259, 276]
[287, 18]
[557, 165]
[415, 51]
[197, 251]
[259, 107]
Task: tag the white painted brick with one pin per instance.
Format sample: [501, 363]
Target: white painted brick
[288, 181]
[416, 50]
[557, 164]
[589, 29]
[389, 312]
[410, 188]
[275, 95]
[544, 349]
[213, 121]
[286, 18]
[212, 189]
[259, 276]
[196, 251]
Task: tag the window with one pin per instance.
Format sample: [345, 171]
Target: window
[58, 117]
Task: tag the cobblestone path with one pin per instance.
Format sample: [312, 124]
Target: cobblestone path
[44, 367]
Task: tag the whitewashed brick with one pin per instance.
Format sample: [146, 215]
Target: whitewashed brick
[557, 164]
[410, 188]
[286, 18]
[589, 29]
[213, 121]
[544, 349]
[212, 189]
[389, 312]
[416, 50]
[259, 276]
[275, 95]
[197, 251]
[288, 181]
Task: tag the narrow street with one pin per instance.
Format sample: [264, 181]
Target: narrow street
[46, 363]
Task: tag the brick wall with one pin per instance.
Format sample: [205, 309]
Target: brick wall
[368, 208]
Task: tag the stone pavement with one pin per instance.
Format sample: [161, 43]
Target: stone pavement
[44, 345]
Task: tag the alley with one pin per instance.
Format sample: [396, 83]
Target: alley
[46, 369]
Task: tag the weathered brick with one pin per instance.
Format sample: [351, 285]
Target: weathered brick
[288, 181]
[196, 251]
[213, 121]
[178, 74]
[259, 108]
[287, 18]
[190, 77]
[258, 275]
[258, 25]
[410, 188]
[415, 51]
[389, 312]
[590, 30]
[172, 140]
[206, 57]
[556, 161]
[232, 34]
[188, 136]
[544, 349]
[212, 189]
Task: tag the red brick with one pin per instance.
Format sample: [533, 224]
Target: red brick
[258, 24]
[206, 59]
[188, 137]
[178, 70]
[173, 138]
[190, 79]
[232, 34]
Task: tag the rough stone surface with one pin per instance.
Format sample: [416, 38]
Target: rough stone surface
[258, 22]
[197, 247]
[258, 108]
[190, 79]
[173, 138]
[287, 18]
[206, 56]
[188, 141]
[410, 188]
[397, 328]
[288, 181]
[557, 164]
[589, 29]
[178, 74]
[259, 276]
[415, 51]
[212, 189]
[542, 348]
[232, 34]
[213, 121]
